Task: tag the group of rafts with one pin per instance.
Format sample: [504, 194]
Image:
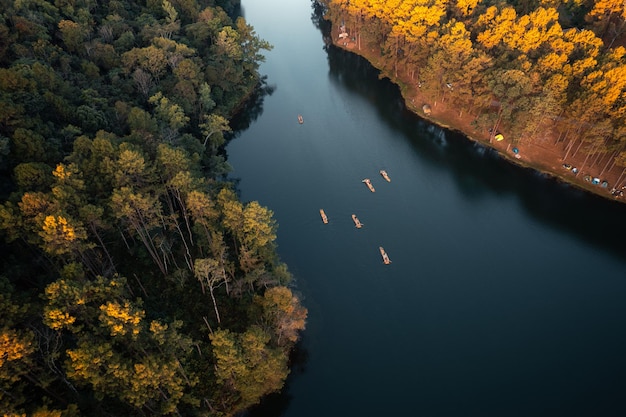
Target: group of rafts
[355, 219]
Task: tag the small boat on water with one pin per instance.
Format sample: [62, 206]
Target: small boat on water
[386, 259]
[385, 175]
[356, 221]
[324, 217]
[300, 119]
[369, 184]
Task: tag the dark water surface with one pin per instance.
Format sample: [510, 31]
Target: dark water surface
[506, 295]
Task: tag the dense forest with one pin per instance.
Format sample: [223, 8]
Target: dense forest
[133, 281]
[533, 69]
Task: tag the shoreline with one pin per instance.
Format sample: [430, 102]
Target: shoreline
[414, 99]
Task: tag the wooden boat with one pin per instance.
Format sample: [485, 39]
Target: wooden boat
[324, 218]
[356, 221]
[386, 259]
[369, 184]
[385, 175]
[300, 119]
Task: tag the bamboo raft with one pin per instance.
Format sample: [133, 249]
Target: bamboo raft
[356, 221]
[386, 259]
[324, 217]
[369, 184]
[385, 175]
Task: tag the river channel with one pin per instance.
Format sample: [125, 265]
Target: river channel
[506, 295]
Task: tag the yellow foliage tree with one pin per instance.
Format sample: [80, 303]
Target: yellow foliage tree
[121, 319]
[14, 346]
[531, 31]
[466, 7]
[60, 235]
[498, 26]
[258, 226]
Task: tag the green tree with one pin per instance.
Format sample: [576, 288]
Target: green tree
[246, 367]
[259, 227]
[73, 34]
[28, 146]
[33, 176]
[170, 114]
[214, 125]
[203, 212]
[132, 170]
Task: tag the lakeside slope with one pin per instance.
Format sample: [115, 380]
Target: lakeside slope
[543, 154]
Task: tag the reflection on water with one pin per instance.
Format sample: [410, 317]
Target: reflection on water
[506, 294]
[252, 109]
[478, 169]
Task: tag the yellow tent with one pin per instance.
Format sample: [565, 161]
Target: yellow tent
[499, 137]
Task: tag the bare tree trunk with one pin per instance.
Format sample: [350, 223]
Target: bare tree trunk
[617, 32]
[589, 154]
[88, 262]
[124, 239]
[584, 162]
[620, 178]
[610, 163]
[395, 58]
[597, 158]
[140, 285]
[149, 245]
[581, 141]
[558, 138]
[578, 148]
[569, 128]
[187, 256]
[183, 210]
[217, 313]
[496, 125]
[568, 148]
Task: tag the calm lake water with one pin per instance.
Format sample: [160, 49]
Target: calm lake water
[506, 295]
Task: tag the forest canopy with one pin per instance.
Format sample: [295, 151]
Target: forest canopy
[133, 280]
[532, 69]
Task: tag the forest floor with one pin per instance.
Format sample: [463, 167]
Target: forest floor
[543, 153]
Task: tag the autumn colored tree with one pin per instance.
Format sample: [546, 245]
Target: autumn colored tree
[17, 348]
[282, 313]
